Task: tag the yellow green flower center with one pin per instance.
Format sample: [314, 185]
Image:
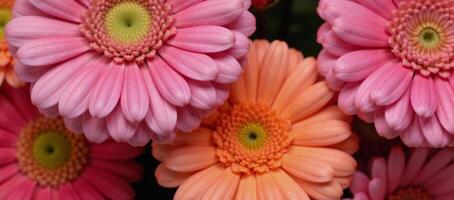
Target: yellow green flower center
[50, 154]
[5, 17]
[252, 136]
[128, 22]
[429, 37]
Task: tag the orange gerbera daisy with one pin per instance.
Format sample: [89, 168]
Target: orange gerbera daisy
[6, 59]
[278, 137]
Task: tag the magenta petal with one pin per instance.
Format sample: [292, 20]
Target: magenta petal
[87, 191]
[169, 83]
[128, 170]
[210, 13]
[67, 191]
[134, 96]
[215, 39]
[400, 114]
[423, 96]
[107, 91]
[192, 65]
[51, 50]
[109, 185]
[119, 127]
[114, 151]
[445, 110]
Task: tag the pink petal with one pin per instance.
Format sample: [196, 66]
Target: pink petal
[28, 73]
[362, 30]
[222, 93]
[95, 130]
[161, 117]
[326, 62]
[48, 89]
[189, 118]
[245, 24]
[396, 167]
[347, 98]
[51, 50]
[359, 182]
[438, 161]
[134, 97]
[203, 39]
[128, 170]
[141, 137]
[353, 67]
[434, 132]
[107, 91]
[415, 163]
[178, 5]
[240, 47]
[392, 85]
[229, 68]
[68, 192]
[74, 124]
[377, 189]
[379, 170]
[20, 98]
[169, 83]
[10, 119]
[334, 45]
[331, 10]
[85, 190]
[8, 171]
[192, 65]
[445, 109]
[74, 100]
[114, 151]
[423, 96]
[119, 127]
[413, 136]
[12, 184]
[400, 114]
[25, 8]
[382, 127]
[384, 8]
[209, 13]
[37, 28]
[203, 94]
[70, 10]
[322, 31]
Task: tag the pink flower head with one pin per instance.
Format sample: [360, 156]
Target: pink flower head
[132, 70]
[424, 175]
[41, 159]
[392, 62]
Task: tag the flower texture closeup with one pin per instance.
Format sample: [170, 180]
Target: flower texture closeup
[262, 4]
[277, 137]
[7, 61]
[424, 175]
[392, 62]
[41, 159]
[133, 70]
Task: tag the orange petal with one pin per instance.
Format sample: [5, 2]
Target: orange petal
[169, 178]
[295, 57]
[342, 163]
[251, 72]
[261, 47]
[247, 189]
[350, 145]
[307, 168]
[195, 186]
[272, 72]
[224, 187]
[161, 151]
[308, 102]
[321, 133]
[267, 188]
[322, 191]
[304, 75]
[12, 79]
[188, 159]
[198, 137]
[328, 113]
[238, 91]
[288, 187]
[2, 76]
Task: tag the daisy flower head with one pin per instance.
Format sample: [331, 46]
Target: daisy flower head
[422, 175]
[41, 159]
[277, 137]
[7, 61]
[392, 62]
[130, 69]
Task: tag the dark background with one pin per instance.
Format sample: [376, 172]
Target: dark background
[296, 22]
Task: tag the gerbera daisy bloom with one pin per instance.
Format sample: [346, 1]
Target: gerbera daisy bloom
[7, 61]
[41, 159]
[262, 4]
[392, 62]
[130, 69]
[277, 137]
[425, 175]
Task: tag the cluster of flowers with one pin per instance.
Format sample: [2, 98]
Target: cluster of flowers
[88, 83]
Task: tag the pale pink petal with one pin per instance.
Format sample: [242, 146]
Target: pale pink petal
[25, 8]
[119, 127]
[336, 46]
[142, 136]
[222, 93]
[68, 10]
[51, 50]
[326, 62]
[229, 68]
[28, 73]
[209, 13]
[322, 31]
[379, 170]
[215, 39]
[413, 136]
[347, 98]
[95, 129]
[330, 10]
[245, 24]
[189, 118]
[382, 126]
[392, 85]
[366, 30]
[107, 91]
[423, 96]
[203, 94]
[134, 96]
[434, 132]
[169, 83]
[400, 114]
[240, 47]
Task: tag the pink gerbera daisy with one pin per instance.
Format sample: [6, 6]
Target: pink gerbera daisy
[41, 159]
[130, 68]
[392, 62]
[425, 175]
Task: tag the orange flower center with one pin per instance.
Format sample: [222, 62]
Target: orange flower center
[50, 154]
[251, 138]
[410, 194]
